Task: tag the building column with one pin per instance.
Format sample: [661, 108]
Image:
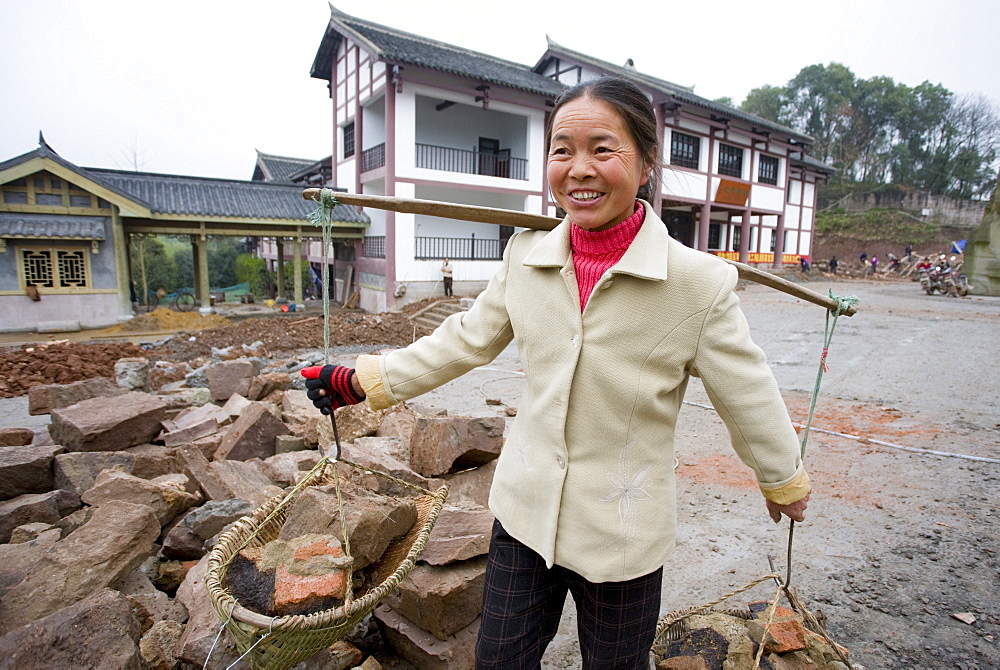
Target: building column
[122, 275]
[297, 269]
[701, 240]
[200, 250]
[745, 236]
[779, 243]
[390, 187]
[279, 266]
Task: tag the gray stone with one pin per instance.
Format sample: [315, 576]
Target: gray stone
[372, 520]
[296, 407]
[184, 397]
[424, 650]
[399, 422]
[251, 435]
[132, 373]
[166, 498]
[26, 469]
[367, 451]
[44, 398]
[198, 378]
[17, 560]
[99, 425]
[229, 377]
[459, 533]
[235, 405]
[441, 600]
[448, 444]
[118, 537]
[149, 605]
[338, 656]
[99, 631]
[16, 437]
[284, 444]
[192, 424]
[46, 507]
[186, 540]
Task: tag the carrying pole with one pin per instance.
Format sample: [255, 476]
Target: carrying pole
[508, 217]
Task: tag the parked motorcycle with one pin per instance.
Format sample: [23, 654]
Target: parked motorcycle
[944, 278]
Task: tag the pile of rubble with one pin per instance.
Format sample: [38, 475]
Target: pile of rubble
[106, 520]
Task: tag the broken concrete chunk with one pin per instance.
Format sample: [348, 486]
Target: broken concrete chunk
[98, 425]
[132, 373]
[448, 444]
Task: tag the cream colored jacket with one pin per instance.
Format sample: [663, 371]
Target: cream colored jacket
[586, 475]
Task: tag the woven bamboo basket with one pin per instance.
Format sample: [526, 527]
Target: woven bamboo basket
[277, 643]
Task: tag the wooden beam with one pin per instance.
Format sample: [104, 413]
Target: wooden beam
[507, 217]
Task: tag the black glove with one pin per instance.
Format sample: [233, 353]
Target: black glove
[330, 387]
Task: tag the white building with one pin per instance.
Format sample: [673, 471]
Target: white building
[417, 118]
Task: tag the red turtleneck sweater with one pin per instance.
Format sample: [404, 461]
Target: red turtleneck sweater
[595, 251]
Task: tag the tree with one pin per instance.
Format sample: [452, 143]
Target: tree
[152, 267]
[767, 102]
[819, 104]
[252, 270]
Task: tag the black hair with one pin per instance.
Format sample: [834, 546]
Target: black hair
[635, 109]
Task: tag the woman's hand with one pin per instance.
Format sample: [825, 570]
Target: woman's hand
[332, 386]
[795, 511]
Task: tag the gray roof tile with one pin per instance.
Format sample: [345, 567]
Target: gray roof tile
[52, 225]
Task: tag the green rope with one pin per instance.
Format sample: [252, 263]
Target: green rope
[323, 216]
[843, 304]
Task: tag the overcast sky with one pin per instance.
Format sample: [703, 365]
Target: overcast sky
[185, 87]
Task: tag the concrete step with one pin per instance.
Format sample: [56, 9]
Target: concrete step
[432, 316]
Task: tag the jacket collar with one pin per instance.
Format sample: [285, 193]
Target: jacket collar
[645, 258]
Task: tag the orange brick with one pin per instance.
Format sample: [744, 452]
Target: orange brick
[785, 636]
[295, 591]
[318, 548]
[682, 663]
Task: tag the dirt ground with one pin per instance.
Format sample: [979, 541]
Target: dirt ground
[901, 530]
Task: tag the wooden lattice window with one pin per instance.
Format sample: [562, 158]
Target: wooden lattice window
[767, 171]
[730, 160]
[55, 268]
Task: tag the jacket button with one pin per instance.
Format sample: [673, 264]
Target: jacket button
[561, 461]
[607, 284]
[576, 340]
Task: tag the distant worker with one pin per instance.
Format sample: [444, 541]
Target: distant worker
[803, 264]
[874, 265]
[863, 257]
[446, 271]
[893, 262]
[834, 263]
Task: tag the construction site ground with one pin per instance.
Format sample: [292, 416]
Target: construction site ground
[900, 549]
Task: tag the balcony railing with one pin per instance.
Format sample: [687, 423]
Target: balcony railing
[460, 248]
[373, 247]
[373, 158]
[472, 162]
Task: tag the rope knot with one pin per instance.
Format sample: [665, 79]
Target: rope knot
[844, 303]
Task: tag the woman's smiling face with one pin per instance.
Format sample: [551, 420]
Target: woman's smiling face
[594, 167]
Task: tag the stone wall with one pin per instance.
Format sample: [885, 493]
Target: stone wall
[982, 251]
[943, 210]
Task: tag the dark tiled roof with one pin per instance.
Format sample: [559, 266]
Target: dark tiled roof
[52, 225]
[814, 164]
[280, 168]
[683, 94]
[396, 46]
[203, 196]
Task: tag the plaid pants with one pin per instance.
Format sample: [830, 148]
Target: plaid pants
[523, 601]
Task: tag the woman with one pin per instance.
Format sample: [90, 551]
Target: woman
[584, 489]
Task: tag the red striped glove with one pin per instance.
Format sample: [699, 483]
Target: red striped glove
[330, 387]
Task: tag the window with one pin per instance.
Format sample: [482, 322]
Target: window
[684, 150]
[55, 268]
[730, 161]
[714, 235]
[767, 171]
[349, 140]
